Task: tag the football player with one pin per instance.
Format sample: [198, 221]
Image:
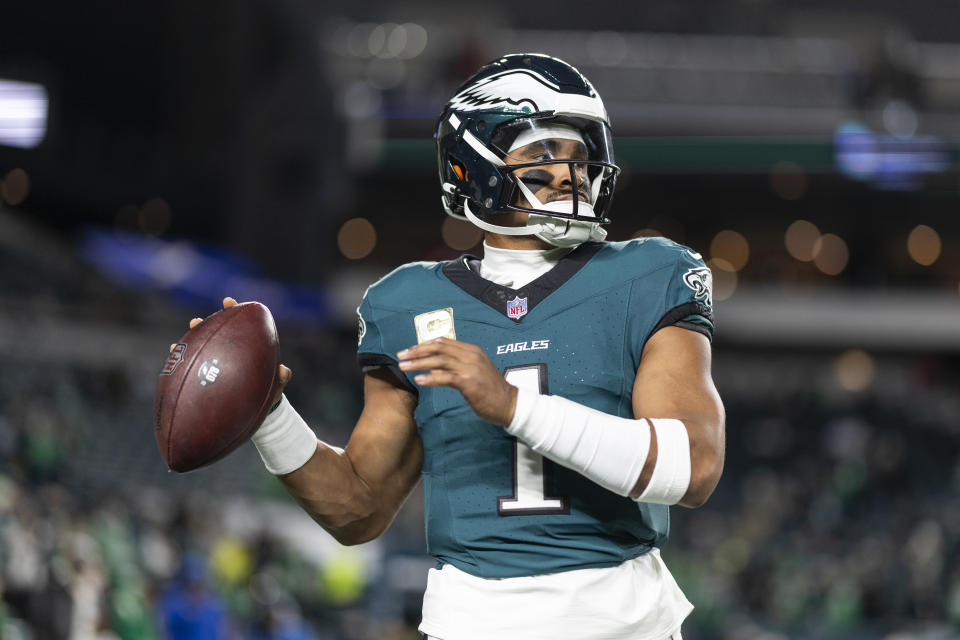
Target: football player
[555, 396]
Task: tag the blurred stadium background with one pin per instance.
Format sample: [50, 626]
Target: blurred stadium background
[155, 157]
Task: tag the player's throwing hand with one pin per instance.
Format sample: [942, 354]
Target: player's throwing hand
[466, 368]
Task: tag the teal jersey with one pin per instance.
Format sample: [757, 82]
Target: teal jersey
[494, 508]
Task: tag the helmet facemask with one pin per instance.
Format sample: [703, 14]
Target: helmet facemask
[558, 173]
[563, 210]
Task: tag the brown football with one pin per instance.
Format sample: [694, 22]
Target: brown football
[214, 388]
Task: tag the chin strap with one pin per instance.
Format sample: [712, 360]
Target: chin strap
[527, 230]
[568, 233]
[555, 231]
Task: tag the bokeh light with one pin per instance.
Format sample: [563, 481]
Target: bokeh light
[923, 245]
[459, 234]
[359, 38]
[356, 238]
[731, 246]
[396, 40]
[724, 278]
[15, 186]
[407, 40]
[900, 119]
[831, 254]
[854, 370]
[800, 239]
[388, 40]
[788, 180]
[669, 227]
[343, 577]
[377, 39]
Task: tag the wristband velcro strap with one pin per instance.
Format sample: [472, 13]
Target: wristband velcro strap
[284, 440]
[671, 474]
[607, 449]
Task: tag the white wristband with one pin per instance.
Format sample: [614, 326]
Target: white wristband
[607, 449]
[671, 474]
[284, 440]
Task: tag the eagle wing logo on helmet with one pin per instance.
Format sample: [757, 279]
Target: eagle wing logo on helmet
[700, 279]
[495, 93]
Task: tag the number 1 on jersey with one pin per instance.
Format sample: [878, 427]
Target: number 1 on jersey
[531, 473]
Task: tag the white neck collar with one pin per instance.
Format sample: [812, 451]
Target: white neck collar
[515, 268]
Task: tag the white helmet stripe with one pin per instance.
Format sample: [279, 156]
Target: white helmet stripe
[475, 144]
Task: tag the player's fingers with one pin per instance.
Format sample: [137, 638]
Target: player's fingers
[195, 322]
[438, 345]
[229, 302]
[456, 354]
[172, 345]
[284, 374]
[436, 361]
[436, 378]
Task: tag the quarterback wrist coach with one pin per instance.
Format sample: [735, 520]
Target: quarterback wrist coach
[285, 441]
[607, 449]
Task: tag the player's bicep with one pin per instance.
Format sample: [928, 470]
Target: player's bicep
[673, 379]
[385, 448]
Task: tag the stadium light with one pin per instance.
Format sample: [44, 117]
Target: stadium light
[23, 113]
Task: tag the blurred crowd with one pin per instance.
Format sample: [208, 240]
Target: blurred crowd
[836, 518]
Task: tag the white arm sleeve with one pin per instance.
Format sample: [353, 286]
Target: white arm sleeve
[607, 449]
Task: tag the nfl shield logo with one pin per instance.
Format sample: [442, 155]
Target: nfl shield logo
[516, 308]
[174, 358]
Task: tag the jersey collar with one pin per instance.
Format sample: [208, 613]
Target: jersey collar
[516, 303]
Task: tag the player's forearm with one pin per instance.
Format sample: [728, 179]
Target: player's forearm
[353, 494]
[320, 478]
[328, 488]
[707, 451]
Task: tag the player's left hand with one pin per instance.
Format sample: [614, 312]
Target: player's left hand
[466, 368]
